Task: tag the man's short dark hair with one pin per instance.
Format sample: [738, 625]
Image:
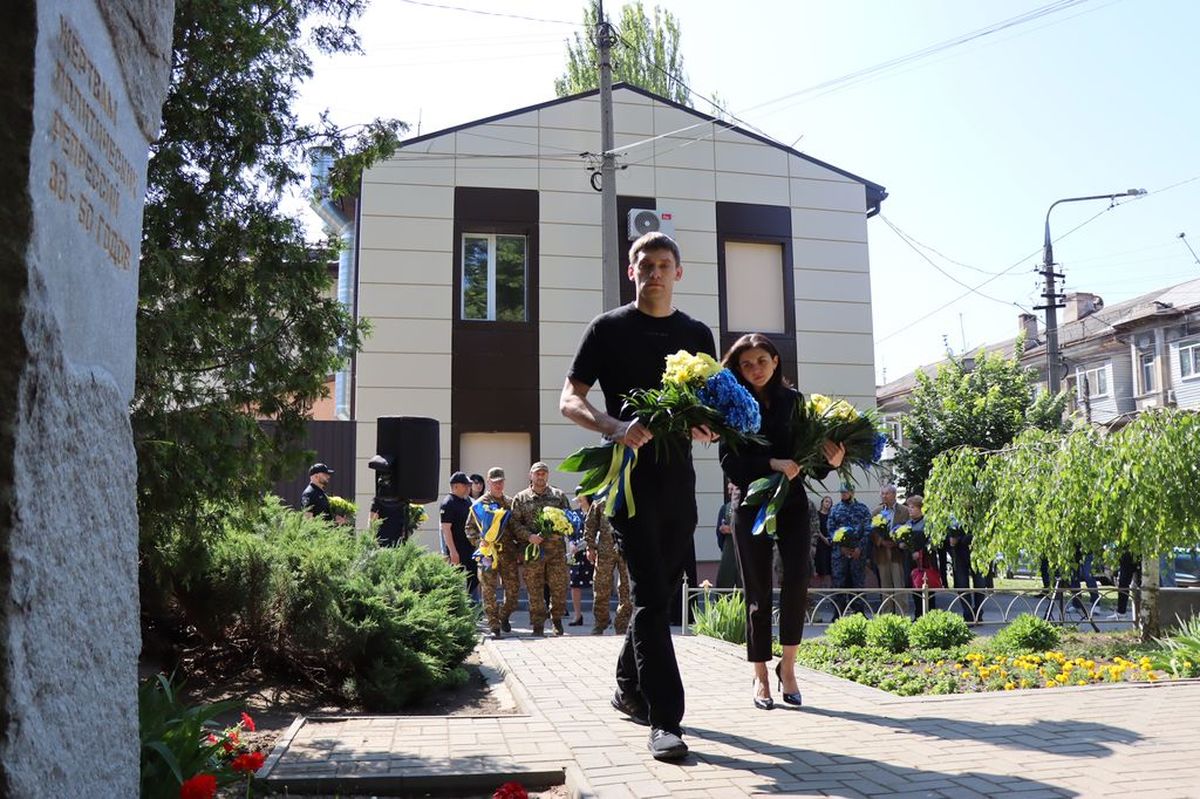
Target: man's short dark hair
[654, 240]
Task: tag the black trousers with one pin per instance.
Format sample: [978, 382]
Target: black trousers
[1126, 570]
[756, 555]
[656, 544]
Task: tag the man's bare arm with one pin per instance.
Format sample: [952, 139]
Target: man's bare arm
[575, 405]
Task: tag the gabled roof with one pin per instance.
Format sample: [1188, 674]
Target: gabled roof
[876, 193]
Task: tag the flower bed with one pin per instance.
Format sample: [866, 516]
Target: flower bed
[990, 664]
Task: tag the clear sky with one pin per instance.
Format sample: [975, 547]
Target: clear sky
[973, 144]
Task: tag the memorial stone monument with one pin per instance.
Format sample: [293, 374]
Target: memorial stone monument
[81, 89]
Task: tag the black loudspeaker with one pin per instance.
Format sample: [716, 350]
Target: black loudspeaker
[412, 448]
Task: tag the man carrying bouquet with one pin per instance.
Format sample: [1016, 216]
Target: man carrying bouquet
[850, 555]
[545, 555]
[626, 349]
[502, 563]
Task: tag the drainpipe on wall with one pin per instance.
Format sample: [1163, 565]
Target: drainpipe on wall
[339, 226]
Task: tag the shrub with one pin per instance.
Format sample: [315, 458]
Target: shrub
[848, 631]
[723, 618]
[938, 629]
[380, 626]
[1027, 633]
[889, 632]
[1181, 649]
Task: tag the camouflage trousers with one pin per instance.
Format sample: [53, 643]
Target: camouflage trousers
[602, 585]
[550, 569]
[506, 574]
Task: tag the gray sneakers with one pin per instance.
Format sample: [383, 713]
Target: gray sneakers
[665, 745]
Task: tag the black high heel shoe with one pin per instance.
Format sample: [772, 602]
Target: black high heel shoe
[791, 699]
[760, 702]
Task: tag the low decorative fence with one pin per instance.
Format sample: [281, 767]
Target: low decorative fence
[1066, 605]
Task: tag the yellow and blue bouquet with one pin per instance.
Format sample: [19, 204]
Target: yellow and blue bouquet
[815, 421]
[903, 535]
[414, 517]
[490, 517]
[695, 392]
[839, 537]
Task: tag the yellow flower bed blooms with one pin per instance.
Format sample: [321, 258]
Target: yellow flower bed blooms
[1046, 670]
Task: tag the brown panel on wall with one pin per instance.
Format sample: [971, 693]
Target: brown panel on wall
[626, 202]
[494, 365]
[764, 224]
[330, 442]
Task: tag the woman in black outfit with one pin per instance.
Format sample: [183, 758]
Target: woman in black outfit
[755, 362]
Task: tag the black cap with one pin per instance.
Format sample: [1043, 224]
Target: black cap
[460, 477]
[319, 468]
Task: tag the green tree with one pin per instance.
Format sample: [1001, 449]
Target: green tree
[235, 321]
[984, 405]
[647, 55]
[1052, 495]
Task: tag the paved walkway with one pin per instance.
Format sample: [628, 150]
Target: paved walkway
[848, 741]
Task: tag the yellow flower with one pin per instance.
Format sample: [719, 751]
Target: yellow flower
[1008, 686]
[684, 368]
[558, 520]
[1151, 676]
[1081, 682]
[819, 403]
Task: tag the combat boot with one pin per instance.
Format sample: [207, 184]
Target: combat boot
[505, 626]
[539, 630]
[558, 627]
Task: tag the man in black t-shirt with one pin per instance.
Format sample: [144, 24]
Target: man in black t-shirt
[624, 349]
[453, 514]
[314, 501]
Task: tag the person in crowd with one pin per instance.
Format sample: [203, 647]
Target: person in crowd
[392, 516]
[849, 556]
[889, 558]
[546, 559]
[314, 501]
[823, 557]
[1127, 570]
[478, 487]
[603, 553]
[919, 555]
[727, 571]
[580, 568]
[754, 359]
[971, 604]
[453, 513]
[503, 565]
[626, 349]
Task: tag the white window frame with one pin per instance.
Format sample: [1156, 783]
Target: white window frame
[1148, 360]
[1188, 354]
[1092, 377]
[491, 275]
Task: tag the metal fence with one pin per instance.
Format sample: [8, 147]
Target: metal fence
[977, 606]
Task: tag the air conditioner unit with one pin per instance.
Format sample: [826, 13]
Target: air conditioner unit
[646, 220]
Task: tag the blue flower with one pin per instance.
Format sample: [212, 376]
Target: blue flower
[723, 393]
[880, 443]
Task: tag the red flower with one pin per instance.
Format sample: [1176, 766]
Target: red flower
[247, 722]
[511, 790]
[201, 786]
[212, 739]
[248, 763]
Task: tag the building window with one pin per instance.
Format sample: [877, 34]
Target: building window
[1094, 382]
[493, 277]
[895, 430]
[754, 288]
[1189, 360]
[1146, 367]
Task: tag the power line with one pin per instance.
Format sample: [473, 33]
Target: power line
[929, 261]
[492, 13]
[941, 255]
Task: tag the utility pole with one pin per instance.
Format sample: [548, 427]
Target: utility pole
[610, 273]
[1052, 297]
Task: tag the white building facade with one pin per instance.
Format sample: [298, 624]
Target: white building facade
[478, 266]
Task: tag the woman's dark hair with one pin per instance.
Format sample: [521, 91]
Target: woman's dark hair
[752, 341]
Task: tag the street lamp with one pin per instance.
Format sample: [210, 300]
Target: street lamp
[1053, 381]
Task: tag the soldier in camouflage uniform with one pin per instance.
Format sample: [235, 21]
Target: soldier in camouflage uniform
[850, 558]
[551, 567]
[504, 561]
[602, 551]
